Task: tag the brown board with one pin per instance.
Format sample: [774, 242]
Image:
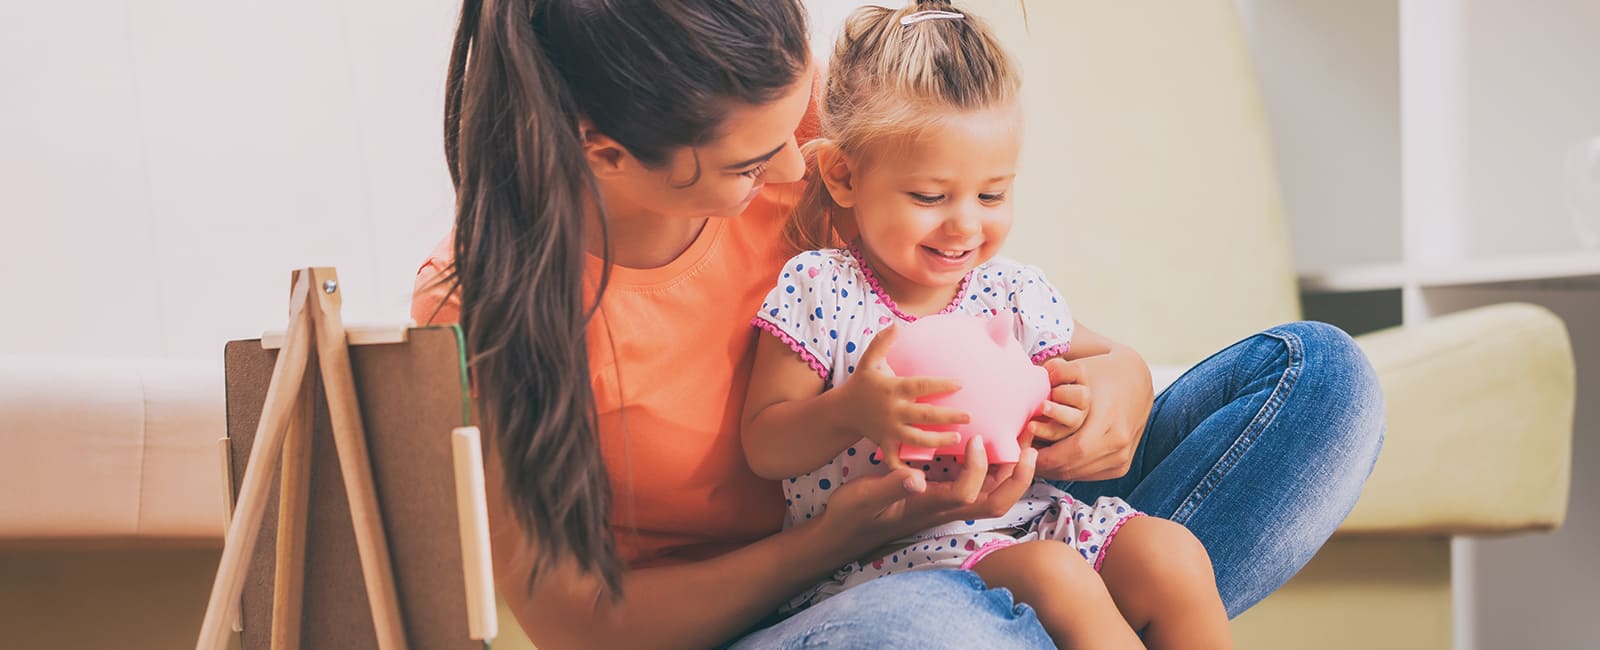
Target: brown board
[412, 395]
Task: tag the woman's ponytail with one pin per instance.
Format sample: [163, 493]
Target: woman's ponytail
[511, 138]
[654, 77]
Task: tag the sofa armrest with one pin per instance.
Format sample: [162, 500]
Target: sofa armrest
[104, 449]
[1480, 412]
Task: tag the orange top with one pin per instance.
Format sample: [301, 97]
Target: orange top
[670, 397]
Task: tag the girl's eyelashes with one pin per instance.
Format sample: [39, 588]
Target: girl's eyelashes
[990, 198]
[754, 172]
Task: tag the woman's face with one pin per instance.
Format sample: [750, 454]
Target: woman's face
[756, 146]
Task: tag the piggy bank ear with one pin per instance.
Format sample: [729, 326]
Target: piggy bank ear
[999, 330]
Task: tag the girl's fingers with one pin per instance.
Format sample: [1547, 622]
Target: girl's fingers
[915, 387]
[1068, 417]
[1062, 371]
[1074, 395]
[1048, 431]
[878, 349]
[930, 414]
[930, 439]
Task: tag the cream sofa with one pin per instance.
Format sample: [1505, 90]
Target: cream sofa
[1147, 160]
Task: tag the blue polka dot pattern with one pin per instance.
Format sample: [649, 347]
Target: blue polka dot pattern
[827, 308]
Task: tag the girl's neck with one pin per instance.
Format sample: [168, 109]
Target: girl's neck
[903, 296]
[641, 239]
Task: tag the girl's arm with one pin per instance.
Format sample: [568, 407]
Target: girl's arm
[668, 606]
[791, 425]
[1102, 396]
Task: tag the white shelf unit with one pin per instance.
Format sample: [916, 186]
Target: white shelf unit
[1439, 155]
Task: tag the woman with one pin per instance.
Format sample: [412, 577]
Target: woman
[623, 175]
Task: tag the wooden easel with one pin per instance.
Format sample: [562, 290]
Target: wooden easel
[284, 432]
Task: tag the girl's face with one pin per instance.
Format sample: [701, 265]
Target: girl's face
[931, 208]
[755, 146]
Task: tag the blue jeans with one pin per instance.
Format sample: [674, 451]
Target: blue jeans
[1260, 450]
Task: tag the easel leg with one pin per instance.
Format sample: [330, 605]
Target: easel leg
[287, 374]
[333, 357]
[294, 494]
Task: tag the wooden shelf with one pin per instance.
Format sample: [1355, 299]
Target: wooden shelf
[1499, 270]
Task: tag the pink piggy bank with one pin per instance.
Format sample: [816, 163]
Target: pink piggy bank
[1000, 386]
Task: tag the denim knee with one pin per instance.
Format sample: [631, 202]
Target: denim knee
[938, 608]
[1336, 375]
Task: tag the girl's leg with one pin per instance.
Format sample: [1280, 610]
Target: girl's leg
[935, 608]
[1160, 577]
[1063, 590]
[1261, 451]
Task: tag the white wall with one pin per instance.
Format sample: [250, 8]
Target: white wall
[1329, 79]
[165, 163]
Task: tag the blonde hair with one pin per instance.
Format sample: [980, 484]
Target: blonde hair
[888, 80]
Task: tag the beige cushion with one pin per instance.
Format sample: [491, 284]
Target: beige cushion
[98, 449]
[1480, 408]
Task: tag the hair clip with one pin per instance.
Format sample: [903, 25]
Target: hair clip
[912, 19]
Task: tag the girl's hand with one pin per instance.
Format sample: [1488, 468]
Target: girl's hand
[875, 510]
[1111, 402]
[883, 408]
[1068, 404]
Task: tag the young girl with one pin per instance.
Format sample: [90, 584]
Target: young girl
[920, 138]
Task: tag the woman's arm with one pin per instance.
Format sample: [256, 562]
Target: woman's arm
[1113, 381]
[694, 605]
[701, 604]
[792, 426]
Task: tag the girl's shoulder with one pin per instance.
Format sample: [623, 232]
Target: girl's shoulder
[820, 266]
[1008, 273]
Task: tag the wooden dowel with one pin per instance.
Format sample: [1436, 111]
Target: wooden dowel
[472, 517]
[224, 454]
[287, 374]
[350, 439]
[294, 495]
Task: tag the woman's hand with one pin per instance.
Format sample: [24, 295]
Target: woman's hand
[883, 408]
[875, 510]
[1098, 407]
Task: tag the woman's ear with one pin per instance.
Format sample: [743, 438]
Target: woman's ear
[605, 155]
[838, 173]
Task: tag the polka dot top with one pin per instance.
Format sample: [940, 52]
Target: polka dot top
[827, 305]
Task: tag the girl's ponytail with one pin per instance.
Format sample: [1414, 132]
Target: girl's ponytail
[815, 214]
[512, 142]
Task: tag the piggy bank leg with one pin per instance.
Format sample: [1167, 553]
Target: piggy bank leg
[1002, 449]
[910, 453]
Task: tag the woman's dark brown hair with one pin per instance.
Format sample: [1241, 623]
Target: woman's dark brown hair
[654, 75]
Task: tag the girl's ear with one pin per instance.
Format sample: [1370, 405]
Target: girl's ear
[838, 173]
[605, 155]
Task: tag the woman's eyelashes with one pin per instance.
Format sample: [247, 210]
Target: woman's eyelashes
[755, 172]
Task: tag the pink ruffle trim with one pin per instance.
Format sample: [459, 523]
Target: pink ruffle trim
[1052, 351]
[984, 551]
[795, 345]
[888, 301]
[1105, 547]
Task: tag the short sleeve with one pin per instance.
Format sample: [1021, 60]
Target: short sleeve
[434, 299]
[1044, 323]
[800, 307]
